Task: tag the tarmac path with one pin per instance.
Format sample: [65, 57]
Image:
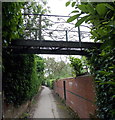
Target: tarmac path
[49, 106]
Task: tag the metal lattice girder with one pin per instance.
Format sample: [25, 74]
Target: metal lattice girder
[61, 44]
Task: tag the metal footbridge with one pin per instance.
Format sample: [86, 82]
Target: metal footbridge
[51, 34]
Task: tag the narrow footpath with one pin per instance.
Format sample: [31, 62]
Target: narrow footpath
[50, 106]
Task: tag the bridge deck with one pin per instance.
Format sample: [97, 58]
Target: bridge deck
[51, 47]
[61, 44]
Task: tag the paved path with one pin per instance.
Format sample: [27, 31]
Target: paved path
[49, 106]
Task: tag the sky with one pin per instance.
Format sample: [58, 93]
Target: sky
[57, 7]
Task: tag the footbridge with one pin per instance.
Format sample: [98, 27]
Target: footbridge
[51, 34]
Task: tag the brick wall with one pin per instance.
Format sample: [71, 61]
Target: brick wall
[80, 94]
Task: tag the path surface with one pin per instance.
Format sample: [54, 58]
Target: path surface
[49, 106]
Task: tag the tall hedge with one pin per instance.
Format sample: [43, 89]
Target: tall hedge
[20, 72]
[102, 61]
[103, 68]
[20, 81]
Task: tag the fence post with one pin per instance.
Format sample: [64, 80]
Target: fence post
[66, 35]
[36, 34]
[40, 17]
[64, 87]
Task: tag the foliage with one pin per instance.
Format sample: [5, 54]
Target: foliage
[102, 18]
[40, 67]
[22, 74]
[56, 69]
[32, 22]
[21, 81]
[50, 82]
[103, 68]
[77, 65]
[12, 21]
[86, 66]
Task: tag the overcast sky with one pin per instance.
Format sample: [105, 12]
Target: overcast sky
[57, 7]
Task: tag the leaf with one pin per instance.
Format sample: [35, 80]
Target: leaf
[104, 72]
[75, 11]
[91, 17]
[102, 32]
[109, 6]
[94, 33]
[83, 8]
[97, 81]
[113, 96]
[79, 22]
[109, 82]
[73, 18]
[90, 9]
[112, 67]
[67, 3]
[101, 9]
[73, 4]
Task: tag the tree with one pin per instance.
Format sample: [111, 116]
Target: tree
[76, 64]
[40, 68]
[86, 66]
[32, 22]
[57, 69]
[12, 25]
[101, 17]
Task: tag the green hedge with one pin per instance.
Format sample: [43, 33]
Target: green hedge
[20, 78]
[21, 74]
[103, 68]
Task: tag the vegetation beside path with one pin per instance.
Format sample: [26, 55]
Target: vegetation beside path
[22, 73]
[101, 18]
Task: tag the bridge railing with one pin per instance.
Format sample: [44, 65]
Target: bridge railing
[51, 34]
[54, 27]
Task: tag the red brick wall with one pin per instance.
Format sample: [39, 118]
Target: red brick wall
[80, 94]
[59, 88]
